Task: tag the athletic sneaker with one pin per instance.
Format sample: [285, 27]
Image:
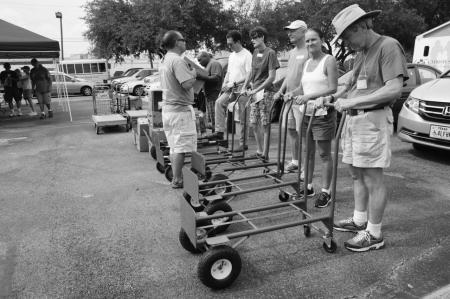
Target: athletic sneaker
[348, 225]
[177, 185]
[19, 113]
[43, 116]
[291, 167]
[309, 193]
[364, 241]
[323, 200]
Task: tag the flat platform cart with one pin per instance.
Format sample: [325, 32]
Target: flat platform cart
[105, 110]
[202, 233]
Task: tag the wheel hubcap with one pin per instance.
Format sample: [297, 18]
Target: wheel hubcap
[221, 269]
[219, 221]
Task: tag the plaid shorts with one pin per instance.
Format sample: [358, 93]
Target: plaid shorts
[260, 112]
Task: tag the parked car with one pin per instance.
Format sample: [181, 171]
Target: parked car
[74, 85]
[418, 74]
[139, 75]
[424, 119]
[137, 87]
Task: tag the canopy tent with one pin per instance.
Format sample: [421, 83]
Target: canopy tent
[17, 42]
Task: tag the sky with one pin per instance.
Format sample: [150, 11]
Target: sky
[39, 16]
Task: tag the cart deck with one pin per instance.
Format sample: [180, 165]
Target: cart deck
[101, 121]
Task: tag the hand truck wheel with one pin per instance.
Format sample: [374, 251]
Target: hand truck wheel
[160, 168]
[186, 242]
[219, 267]
[330, 248]
[153, 152]
[220, 188]
[215, 208]
[168, 173]
[283, 196]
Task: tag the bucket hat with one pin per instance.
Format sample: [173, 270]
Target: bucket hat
[348, 16]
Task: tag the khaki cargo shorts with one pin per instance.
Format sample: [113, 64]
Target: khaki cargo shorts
[181, 131]
[366, 139]
[293, 116]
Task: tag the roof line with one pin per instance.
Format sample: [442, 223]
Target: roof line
[434, 29]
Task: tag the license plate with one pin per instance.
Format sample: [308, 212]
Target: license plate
[440, 132]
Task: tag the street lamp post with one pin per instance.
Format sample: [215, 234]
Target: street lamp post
[59, 16]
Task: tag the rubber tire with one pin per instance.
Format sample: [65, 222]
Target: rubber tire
[138, 87]
[187, 197]
[168, 173]
[153, 152]
[213, 255]
[86, 91]
[330, 249]
[217, 177]
[186, 243]
[160, 167]
[214, 207]
[283, 196]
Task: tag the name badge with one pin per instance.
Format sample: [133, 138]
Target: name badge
[259, 55]
[361, 83]
[300, 57]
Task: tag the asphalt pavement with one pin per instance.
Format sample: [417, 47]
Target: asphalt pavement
[88, 216]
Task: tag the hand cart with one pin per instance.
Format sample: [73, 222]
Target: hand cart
[105, 110]
[203, 187]
[221, 263]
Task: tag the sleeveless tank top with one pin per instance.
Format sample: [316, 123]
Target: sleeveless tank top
[316, 80]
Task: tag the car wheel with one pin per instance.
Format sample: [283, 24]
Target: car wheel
[86, 91]
[138, 90]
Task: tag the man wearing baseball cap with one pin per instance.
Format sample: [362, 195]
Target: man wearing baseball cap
[378, 74]
[296, 58]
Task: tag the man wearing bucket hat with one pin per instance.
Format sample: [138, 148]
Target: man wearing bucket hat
[296, 58]
[378, 74]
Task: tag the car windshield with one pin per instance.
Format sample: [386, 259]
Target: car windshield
[144, 73]
[130, 72]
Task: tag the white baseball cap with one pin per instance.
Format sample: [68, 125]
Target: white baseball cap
[297, 24]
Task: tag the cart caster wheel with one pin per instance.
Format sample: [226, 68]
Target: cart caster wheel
[283, 196]
[218, 208]
[168, 173]
[187, 197]
[166, 152]
[160, 167]
[97, 130]
[219, 267]
[330, 248]
[186, 242]
[153, 152]
[307, 231]
[220, 188]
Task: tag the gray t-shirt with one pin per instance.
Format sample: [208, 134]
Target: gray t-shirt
[173, 72]
[297, 58]
[262, 63]
[385, 60]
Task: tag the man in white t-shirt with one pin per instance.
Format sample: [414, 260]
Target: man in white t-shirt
[239, 66]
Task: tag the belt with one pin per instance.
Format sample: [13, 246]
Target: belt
[354, 112]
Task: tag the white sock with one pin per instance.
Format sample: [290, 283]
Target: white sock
[359, 217]
[294, 162]
[327, 191]
[310, 186]
[374, 229]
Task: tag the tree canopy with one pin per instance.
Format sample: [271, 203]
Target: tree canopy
[130, 27]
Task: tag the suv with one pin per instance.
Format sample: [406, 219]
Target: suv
[424, 119]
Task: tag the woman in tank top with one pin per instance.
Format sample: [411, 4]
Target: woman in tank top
[319, 79]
